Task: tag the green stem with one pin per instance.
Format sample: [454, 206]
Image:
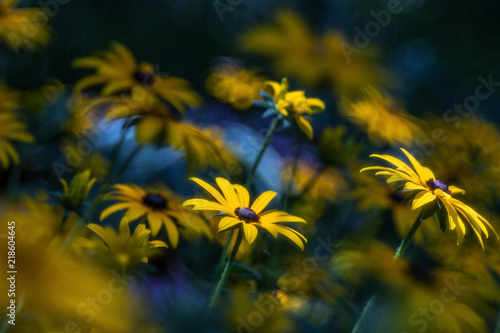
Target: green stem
[267, 139]
[226, 272]
[399, 253]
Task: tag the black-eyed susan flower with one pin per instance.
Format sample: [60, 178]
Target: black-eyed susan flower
[232, 84]
[23, 27]
[159, 207]
[126, 249]
[11, 129]
[117, 70]
[291, 105]
[235, 203]
[434, 196]
[383, 119]
[76, 192]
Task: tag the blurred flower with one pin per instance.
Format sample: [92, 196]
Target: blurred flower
[128, 250]
[235, 202]
[412, 293]
[159, 207]
[81, 117]
[118, 70]
[35, 100]
[23, 27]
[291, 105]
[337, 149]
[298, 53]
[98, 165]
[9, 98]
[76, 193]
[371, 193]
[434, 195]
[324, 182]
[381, 117]
[11, 129]
[235, 85]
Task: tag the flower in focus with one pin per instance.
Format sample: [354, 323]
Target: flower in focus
[11, 129]
[118, 70]
[234, 85]
[381, 117]
[23, 27]
[76, 192]
[235, 203]
[128, 250]
[293, 105]
[159, 207]
[434, 195]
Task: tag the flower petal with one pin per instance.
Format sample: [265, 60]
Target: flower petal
[262, 201]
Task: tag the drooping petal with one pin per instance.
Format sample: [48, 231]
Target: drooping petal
[250, 232]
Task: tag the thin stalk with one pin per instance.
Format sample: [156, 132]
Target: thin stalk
[267, 139]
[399, 253]
[227, 271]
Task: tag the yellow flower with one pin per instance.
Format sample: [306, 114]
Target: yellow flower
[9, 98]
[235, 203]
[118, 70]
[159, 207]
[76, 193]
[126, 249]
[11, 129]
[294, 105]
[435, 196]
[23, 27]
[81, 118]
[381, 117]
[232, 84]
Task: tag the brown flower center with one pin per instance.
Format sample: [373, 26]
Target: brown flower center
[247, 215]
[437, 184]
[144, 78]
[155, 201]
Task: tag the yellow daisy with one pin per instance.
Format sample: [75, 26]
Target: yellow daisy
[234, 85]
[23, 27]
[117, 70]
[125, 248]
[383, 119]
[235, 203]
[434, 196]
[295, 105]
[159, 206]
[11, 129]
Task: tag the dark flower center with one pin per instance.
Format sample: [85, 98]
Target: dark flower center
[144, 78]
[437, 184]
[246, 214]
[155, 201]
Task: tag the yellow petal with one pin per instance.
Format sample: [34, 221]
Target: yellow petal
[262, 201]
[243, 195]
[305, 126]
[228, 192]
[422, 198]
[113, 208]
[250, 232]
[210, 189]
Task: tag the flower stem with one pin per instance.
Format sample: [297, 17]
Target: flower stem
[267, 139]
[226, 272]
[399, 253]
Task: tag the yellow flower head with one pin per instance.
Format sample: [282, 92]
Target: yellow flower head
[434, 196]
[76, 193]
[159, 207]
[234, 85]
[235, 203]
[127, 249]
[381, 117]
[23, 27]
[118, 70]
[294, 105]
[11, 129]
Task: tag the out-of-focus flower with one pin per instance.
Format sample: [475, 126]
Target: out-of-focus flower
[412, 290]
[235, 85]
[434, 196]
[81, 116]
[298, 53]
[159, 207]
[98, 165]
[291, 105]
[76, 192]
[9, 98]
[127, 250]
[35, 100]
[371, 193]
[235, 202]
[11, 129]
[118, 70]
[23, 27]
[322, 182]
[336, 148]
[383, 119]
